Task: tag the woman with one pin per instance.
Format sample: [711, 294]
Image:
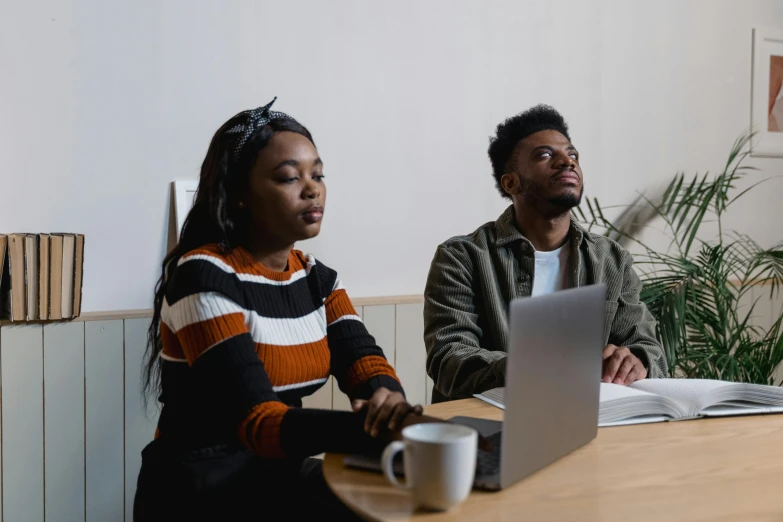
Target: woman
[244, 327]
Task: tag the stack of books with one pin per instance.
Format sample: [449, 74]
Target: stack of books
[41, 276]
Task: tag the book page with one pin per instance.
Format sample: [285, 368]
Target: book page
[728, 410]
[493, 397]
[496, 394]
[608, 392]
[625, 405]
[692, 395]
[3, 241]
[31, 276]
[611, 392]
[641, 419]
[66, 306]
[619, 405]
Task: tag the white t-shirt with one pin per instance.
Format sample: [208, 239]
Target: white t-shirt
[551, 272]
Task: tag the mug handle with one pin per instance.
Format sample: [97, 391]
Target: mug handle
[387, 463]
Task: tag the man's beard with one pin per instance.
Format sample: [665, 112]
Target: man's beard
[533, 195]
[567, 201]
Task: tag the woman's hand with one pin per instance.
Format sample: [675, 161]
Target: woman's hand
[414, 418]
[386, 411]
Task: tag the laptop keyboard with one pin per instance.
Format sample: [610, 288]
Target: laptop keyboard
[487, 461]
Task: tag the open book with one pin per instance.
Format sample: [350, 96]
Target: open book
[657, 400]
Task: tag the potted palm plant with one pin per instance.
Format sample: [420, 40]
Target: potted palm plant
[699, 288]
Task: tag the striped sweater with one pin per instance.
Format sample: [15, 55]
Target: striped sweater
[242, 345]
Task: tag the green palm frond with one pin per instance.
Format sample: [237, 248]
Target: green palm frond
[701, 290]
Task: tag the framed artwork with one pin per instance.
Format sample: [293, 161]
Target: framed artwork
[184, 196]
[767, 93]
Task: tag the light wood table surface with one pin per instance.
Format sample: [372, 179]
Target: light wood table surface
[728, 469]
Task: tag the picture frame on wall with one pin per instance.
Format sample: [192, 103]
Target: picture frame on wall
[767, 93]
[184, 196]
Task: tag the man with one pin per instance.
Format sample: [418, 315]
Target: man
[534, 248]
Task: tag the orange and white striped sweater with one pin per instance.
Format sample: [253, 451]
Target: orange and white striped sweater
[243, 344]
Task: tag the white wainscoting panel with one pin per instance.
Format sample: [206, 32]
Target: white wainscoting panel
[744, 306]
[763, 313]
[63, 366]
[777, 303]
[322, 399]
[379, 321]
[139, 423]
[409, 350]
[22, 417]
[340, 401]
[104, 452]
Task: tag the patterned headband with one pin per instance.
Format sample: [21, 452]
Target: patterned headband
[256, 119]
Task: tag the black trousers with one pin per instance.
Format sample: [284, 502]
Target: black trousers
[229, 483]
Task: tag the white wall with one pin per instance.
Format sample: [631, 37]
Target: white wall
[103, 103]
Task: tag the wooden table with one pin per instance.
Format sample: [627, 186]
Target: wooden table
[728, 469]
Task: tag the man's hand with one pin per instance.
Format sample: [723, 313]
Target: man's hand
[621, 366]
[386, 410]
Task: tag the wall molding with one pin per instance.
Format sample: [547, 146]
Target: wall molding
[146, 313]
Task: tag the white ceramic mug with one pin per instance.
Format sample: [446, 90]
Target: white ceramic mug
[439, 463]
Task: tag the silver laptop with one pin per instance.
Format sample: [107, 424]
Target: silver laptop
[553, 376]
